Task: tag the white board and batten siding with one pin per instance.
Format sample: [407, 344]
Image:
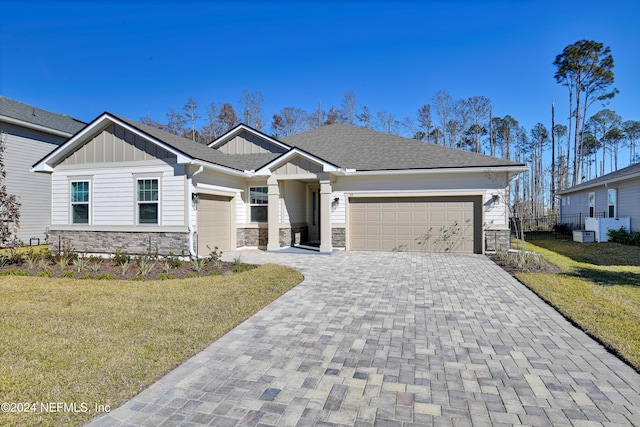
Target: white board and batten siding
[113, 195]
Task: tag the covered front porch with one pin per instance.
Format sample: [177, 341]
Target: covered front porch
[299, 212]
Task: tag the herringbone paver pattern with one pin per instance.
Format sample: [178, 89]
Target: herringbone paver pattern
[395, 339]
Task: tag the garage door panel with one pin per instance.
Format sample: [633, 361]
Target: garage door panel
[433, 225]
[214, 223]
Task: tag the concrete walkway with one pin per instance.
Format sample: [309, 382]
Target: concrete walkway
[394, 339]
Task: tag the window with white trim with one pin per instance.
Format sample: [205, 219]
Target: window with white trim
[592, 205]
[612, 196]
[148, 201]
[258, 203]
[80, 203]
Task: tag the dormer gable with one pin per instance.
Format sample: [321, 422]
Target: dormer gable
[245, 140]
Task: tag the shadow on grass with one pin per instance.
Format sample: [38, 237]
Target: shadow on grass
[607, 278]
[605, 254]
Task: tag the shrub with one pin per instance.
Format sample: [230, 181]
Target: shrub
[80, 264]
[622, 236]
[69, 274]
[4, 260]
[562, 228]
[198, 264]
[45, 273]
[121, 257]
[172, 261]
[215, 273]
[165, 276]
[105, 276]
[87, 276]
[15, 272]
[15, 257]
[238, 269]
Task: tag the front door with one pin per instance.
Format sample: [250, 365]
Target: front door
[313, 214]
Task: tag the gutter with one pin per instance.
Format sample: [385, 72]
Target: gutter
[193, 253]
[484, 169]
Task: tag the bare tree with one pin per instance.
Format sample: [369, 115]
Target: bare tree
[289, 121]
[176, 123]
[147, 120]
[479, 107]
[631, 129]
[9, 204]
[424, 121]
[386, 122]
[227, 117]
[443, 104]
[251, 105]
[334, 116]
[349, 106]
[191, 114]
[365, 117]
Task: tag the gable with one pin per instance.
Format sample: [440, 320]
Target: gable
[298, 165]
[249, 143]
[116, 144]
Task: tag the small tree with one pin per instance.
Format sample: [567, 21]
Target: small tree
[9, 204]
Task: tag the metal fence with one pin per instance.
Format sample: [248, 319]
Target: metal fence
[550, 226]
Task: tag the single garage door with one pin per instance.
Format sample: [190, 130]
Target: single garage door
[434, 224]
[214, 223]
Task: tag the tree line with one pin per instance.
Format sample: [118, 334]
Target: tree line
[558, 156]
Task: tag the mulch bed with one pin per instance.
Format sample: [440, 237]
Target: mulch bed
[547, 267]
[99, 268]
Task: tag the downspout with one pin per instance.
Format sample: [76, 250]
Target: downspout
[192, 252]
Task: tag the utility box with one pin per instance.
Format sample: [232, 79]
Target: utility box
[584, 236]
[602, 225]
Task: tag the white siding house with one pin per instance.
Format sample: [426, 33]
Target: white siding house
[119, 184]
[614, 195]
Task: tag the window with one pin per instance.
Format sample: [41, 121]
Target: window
[80, 202]
[592, 204]
[148, 201]
[566, 201]
[612, 196]
[258, 201]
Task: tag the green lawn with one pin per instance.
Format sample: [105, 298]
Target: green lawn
[599, 289]
[102, 342]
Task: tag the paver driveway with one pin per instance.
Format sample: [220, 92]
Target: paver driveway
[395, 339]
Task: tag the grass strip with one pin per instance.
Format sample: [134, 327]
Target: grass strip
[102, 342]
[604, 299]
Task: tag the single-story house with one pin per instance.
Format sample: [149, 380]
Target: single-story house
[29, 134]
[120, 184]
[614, 195]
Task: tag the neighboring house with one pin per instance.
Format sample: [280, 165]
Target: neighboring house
[31, 133]
[613, 195]
[120, 184]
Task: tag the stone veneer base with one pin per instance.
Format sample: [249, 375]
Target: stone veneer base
[497, 240]
[133, 243]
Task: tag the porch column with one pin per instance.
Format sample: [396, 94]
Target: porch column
[273, 212]
[325, 216]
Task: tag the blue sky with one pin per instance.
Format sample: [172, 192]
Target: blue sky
[138, 58]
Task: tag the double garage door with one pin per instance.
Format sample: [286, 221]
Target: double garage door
[214, 223]
[432, 224]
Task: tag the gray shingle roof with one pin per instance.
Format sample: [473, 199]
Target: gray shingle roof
[353, 147]
[613, 176]
[30, 114]
[199, 151]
